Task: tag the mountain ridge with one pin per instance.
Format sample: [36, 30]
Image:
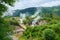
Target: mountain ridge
[32, 10]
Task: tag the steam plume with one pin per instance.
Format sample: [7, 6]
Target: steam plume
[22, 17]
[37, 18]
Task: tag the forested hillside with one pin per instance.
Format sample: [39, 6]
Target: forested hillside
[32, 10]
[44, 26]
[32, 23]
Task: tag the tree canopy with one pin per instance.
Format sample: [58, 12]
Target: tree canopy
[4, 26]
[3, 8]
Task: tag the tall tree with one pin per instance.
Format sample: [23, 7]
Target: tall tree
[4, 26]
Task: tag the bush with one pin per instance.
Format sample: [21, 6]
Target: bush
[28, 21]
[32, 32]
[49, 34]
[56, 28]
[14, 22]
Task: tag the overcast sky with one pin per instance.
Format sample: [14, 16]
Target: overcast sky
[22, 4]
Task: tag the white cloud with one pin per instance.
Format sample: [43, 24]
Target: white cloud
[34, 3]
[50, 4]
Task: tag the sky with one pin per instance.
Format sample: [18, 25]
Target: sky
[22, 4]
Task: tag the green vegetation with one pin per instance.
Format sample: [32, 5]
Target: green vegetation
[49, 31]
[44, 32]
[4, 26]
[49, 34]
[47, 28]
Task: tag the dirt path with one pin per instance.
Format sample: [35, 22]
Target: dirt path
[18, 32]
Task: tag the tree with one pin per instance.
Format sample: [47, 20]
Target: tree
[3, 8]
[49, 34]
[4, 26]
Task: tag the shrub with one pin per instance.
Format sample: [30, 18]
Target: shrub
[14, 22]
[56, 28]
[32, 32]
[49, 34]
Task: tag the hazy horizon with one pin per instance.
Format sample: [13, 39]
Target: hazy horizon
[22, 4]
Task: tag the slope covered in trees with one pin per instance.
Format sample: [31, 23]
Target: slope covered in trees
[46, 28]
[32, 10]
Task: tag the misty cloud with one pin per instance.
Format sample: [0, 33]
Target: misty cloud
[21, 4]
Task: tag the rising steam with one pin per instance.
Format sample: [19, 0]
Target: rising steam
[35, 20]
[22, 17]
[38, 16]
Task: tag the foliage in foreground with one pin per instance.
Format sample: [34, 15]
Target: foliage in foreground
[4, 26]
[50, 31]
